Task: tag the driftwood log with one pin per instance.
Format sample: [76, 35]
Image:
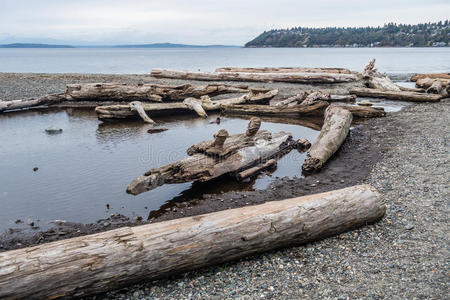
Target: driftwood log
[223, 155]
[285, 70]
[395, 95]
[123, 111]
[146, 92]
[434, 85]
[32, 102]
[261, 77]
[333, 133]
[295, 111]
[432, 75]
[376, 80]
[362, 111]
[85, 265]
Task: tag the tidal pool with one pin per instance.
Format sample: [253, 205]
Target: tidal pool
[89, 165]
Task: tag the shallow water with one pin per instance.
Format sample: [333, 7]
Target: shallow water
[140, 61]
[91, 163]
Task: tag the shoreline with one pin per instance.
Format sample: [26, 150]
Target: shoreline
[403, 254]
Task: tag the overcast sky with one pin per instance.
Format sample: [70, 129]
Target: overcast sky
[231, 22]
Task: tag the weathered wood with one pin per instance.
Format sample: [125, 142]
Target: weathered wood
[334, 131]
[31, 102]
[395, 95]
[342, 98]
[312, 96]
[433, 76]
[376, 80]
[223, 155]
[146, 92]
[256, 169]
[96, 263]
[315, 109]
[258, 77]
[435, 85]
[137, 106]
[196, 105]
[123, 111]
[285, 70]
[362, 111]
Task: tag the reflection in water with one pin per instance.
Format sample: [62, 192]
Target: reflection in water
[91, 163]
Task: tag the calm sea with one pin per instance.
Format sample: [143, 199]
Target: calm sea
[139, 61]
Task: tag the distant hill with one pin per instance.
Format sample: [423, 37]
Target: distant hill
[28, 45]
[170, 45]
[156, 45]
[390, 35]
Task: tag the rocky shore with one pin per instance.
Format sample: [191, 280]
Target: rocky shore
[405, 256]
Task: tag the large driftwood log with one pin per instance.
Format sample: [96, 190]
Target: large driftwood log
[262, 77]
[334, 131]
[395, 95]
[32, 102]
[123, 111]
[146, 92]
[221, 156]
[362, 111]
[434, 85]
[433, 76]
[284, 70]
[96, 263]
[376, 80]
[295, 111]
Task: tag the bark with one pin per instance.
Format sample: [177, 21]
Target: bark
[334, 131]
[285, 70]
[394, 95]
[146, 92]
[256, 170]
[96, 263]
[123, 111]
[258, 77]
[433, 76]
[363, 111]
[296, 111]
[28, 103]
[376, 80]
[207, 161]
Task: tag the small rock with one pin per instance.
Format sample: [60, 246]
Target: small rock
[365, 103]
[409, 226]
[53, 130]
[106, 224]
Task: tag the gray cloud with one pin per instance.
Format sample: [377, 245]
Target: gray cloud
[196, 21]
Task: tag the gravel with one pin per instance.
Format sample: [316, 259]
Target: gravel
[404, 256]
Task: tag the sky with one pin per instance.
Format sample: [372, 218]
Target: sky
[200, 22]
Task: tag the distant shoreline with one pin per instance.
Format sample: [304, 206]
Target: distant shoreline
[156, 45]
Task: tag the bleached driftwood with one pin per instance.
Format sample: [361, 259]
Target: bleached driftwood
[395, 95]
[432, 75]
[286, 111]
[137, 107]
[96, 263]
[261, 77]
[223, 155]
[376, 80]
[284, 70]
[333, 133]
[146, 92]
[362, 111]
[31, 102]
[311, 96]
[123, 111]
[434, 85]
[256, 169]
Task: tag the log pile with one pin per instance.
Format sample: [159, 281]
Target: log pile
[333, 133]
[81, 266]
[298, 77]
[199, 106]
[147, 92]
[225, 154]
[434, 85]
